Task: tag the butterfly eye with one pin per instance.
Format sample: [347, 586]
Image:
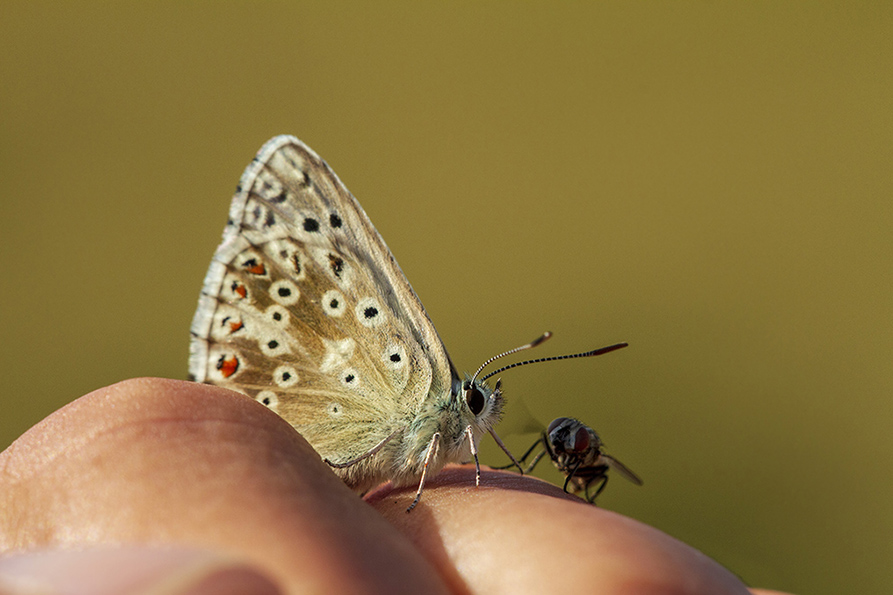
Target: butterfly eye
[475, 400]
[581, 440]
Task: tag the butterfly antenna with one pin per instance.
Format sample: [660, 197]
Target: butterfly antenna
[555, 357]
[544, 337]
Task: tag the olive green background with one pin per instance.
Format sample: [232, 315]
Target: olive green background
[708, 181]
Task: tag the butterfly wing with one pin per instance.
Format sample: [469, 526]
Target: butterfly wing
[305, 309]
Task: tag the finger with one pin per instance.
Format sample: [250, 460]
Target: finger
[519, 534]
[162, 461]
[115, 570]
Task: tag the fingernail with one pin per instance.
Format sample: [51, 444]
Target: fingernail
[130, 570]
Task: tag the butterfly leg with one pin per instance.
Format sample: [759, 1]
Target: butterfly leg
[506, 451]
[365, 455]
[474, 453]
[523, 458]
[432, 450]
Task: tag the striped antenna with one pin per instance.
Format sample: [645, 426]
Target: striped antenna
[542, 338]
[549, 359]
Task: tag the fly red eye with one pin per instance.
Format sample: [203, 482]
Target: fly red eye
[581, 440]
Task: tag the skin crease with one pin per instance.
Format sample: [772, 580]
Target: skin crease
[165, 462]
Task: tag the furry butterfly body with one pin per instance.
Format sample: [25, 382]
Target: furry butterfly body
[305, 309]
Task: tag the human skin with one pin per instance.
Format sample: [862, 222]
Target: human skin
[205, 473]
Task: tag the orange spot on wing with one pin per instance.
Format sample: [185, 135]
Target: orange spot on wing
[258, 269]
[235, 325]
[229, 366]
[240, 290]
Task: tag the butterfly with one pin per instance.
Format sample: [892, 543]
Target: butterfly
[305, 309]
[576, 450]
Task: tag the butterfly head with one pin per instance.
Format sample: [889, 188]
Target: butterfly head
[481, 405]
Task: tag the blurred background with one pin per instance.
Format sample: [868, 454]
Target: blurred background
[710, 182]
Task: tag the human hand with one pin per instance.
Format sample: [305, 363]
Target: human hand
[225, 493]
